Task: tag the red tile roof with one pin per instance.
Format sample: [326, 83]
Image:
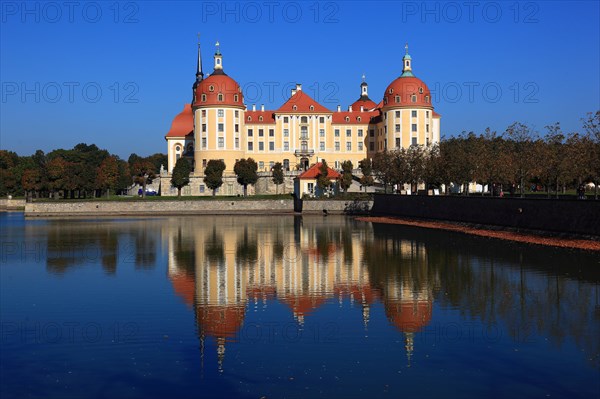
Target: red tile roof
[217, 84]
[339, 118]
[436, 115]
[183, 123]
[253, 117]
[314, 171]
[405, 87]
[303, 102]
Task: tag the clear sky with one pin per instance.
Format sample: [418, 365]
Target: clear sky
[116, 73]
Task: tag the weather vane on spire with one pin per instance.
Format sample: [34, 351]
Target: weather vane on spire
[218, 48]
[363, 77]
[198, 38]
[406, 48]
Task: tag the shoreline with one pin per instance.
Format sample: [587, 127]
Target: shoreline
[528, 238]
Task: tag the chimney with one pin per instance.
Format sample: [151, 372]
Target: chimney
[350, 108]
[339, 108]
[298, 87]
[253, 107]
[262, 107]
[293, 92]
[362, 108]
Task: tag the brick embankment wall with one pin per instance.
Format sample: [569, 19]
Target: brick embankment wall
[157, 208]
[560, 216]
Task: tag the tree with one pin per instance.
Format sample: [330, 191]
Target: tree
[366, 167]
[143, 173]
[591, 125]
[415, 162]
[124, 181]
[107, 175]
[31, 181]
[213, 174]
[383, 168]
[323, 181]
[181, 174]
[521, 142]
[245, 169]
[57, 169]
[346, 180]
[278, 176]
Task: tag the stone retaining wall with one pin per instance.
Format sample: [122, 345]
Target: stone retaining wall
[336, 206]
[11, 204]
[157, 207]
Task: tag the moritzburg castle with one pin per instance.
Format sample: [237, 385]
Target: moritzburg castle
[301, 132]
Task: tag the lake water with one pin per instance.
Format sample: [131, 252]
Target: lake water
[284, 306]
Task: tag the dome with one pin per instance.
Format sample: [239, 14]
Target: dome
[364, 102]
[409, 316]
[403, 89]
[209, 89]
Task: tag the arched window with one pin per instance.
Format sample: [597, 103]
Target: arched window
[427, 99]
[219, 97]
[236, 98]
[420, 90]
[260, 118]
[358, 118]
[312, 107]
[384, 100]
[347, 119]
[413, 98]
[304, 119]
[249, 118]
[177, 148]
[295, 107]
[204, 98]
[211, 88]
[397, 99]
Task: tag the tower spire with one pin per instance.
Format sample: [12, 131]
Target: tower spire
[406, 63]
[218, 59]
[364, 88]
[199, 73]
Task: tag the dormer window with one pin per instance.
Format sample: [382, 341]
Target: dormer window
[420, 90]
[211, 88]
[312, 107]
[219, 97]
[260, 118]
[249, 118]
[427, 99]
[413, 98]
[236, 98]
[397, 99]
[295, 107]
[204, 98]
[358, 118]
[347, 119]
[384, 100]
[391, 90]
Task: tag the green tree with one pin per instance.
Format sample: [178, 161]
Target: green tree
[245, 169]
[181, 174]
[591, 125]
[346, 179]
[366, 167]
[143, 173]
[383, 168]
[125, 180]
[107, 175]
[323, 181]
[415, 162]
[278, 176]
[213, 174]
[521, 162]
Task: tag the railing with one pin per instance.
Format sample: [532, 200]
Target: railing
[304, 152]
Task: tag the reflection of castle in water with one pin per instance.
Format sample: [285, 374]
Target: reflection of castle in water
[221, 269]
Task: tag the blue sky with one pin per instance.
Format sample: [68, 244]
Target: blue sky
[115, 74]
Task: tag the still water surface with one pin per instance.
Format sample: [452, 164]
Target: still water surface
[284, 306]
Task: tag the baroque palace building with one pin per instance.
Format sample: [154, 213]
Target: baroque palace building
[301, 132]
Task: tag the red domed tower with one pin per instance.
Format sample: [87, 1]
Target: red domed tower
[407, 111]
[218, 109]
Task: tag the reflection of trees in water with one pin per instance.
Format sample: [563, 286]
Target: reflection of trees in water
[246, 251]
[185, 252]
[145, 248]
[531, 290]
[77, 243]
[213, 247]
